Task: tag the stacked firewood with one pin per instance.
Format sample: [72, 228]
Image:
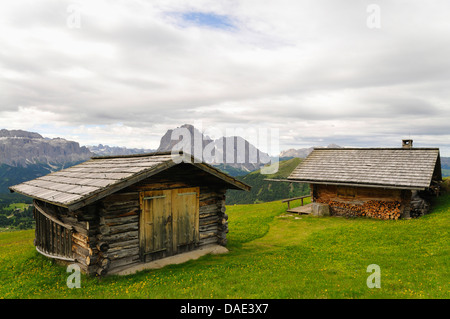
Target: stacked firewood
[382, 209]
[373, 208]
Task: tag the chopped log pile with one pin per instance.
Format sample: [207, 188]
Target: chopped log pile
[373, 208]
[213, 222]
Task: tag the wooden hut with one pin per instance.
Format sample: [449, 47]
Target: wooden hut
[110, 213]
[387, 183]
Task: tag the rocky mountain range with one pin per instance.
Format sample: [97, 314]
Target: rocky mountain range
[27, 155]
[22, 148]
[302, 152]
[106, 150]
[232, 152]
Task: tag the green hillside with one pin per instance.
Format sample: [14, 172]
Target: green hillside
[12, 175]
[272, 255]
[446, 172]
[230, 170]
[266, 191]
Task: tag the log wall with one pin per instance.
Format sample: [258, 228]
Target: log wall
[118, 230]
[106, 234]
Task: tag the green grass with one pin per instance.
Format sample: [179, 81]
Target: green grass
[13, 206]
[268, 191]
[272, 255]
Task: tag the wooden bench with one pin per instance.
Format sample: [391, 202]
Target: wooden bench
[300, 209]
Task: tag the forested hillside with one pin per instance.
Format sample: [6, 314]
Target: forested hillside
[445, 164]
[266, 191]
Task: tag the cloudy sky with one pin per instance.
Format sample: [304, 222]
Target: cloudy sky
[354, 73]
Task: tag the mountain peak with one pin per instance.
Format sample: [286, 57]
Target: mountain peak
[303, 152]
[214, 151]
[19, 134]
[22, 148]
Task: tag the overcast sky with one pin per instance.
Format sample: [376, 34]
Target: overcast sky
[354, 73]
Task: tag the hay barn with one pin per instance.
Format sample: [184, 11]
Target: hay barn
[386, 183]
[110, 213]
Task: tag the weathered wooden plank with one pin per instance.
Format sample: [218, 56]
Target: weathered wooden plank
[41, 210]
[111, 230]
[119, 237]
[112, 255]
[124, 205]
[124, 243]
[125, 261]
[214, 219]
[128, 218]
[208, 240]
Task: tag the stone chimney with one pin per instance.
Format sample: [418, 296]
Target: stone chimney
[407, 143]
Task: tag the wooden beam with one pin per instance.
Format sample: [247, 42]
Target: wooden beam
[225, 177]
[356, 184]
[54, 256]
[53, 219]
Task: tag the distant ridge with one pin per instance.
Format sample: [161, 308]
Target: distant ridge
[22, 148]
[303, 152]
[266, 191]
[27, 155]
[105, 150]
[216, 149]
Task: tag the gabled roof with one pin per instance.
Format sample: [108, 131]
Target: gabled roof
[371, 167]
[85, 183]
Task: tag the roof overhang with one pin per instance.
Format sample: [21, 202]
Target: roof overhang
[178, 158]
[343, 184]
[355, 184]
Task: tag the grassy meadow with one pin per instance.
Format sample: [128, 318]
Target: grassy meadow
[272, 255]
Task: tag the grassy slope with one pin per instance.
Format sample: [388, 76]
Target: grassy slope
[271, 256]
[445, 172]
[265, 191]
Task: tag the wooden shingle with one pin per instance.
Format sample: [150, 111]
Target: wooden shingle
[383, 167]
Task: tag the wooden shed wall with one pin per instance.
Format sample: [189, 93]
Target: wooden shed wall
[83, 225]
[358, 196]
[119, 224]
[106, 233]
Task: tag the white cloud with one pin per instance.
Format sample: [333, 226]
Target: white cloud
[313, 69]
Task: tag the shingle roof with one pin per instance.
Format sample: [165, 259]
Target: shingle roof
[384, 167]
[98, 177]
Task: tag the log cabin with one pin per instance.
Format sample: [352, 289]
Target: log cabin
[385, 183]
[110, 213]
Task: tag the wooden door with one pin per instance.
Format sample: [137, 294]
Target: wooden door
[155, 231]
[169, 222]
[185, 210]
